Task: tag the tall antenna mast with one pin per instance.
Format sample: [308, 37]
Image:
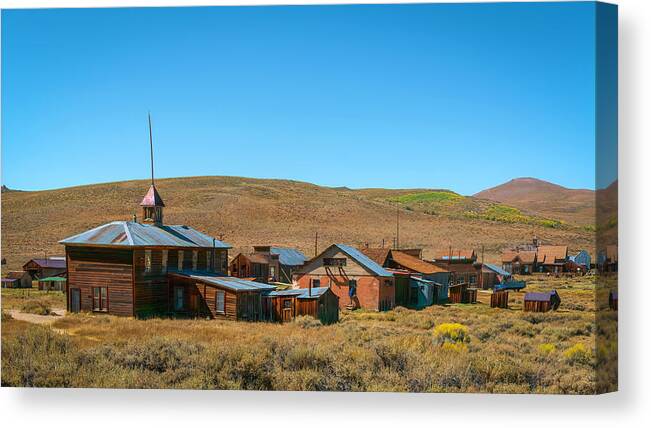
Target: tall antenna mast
[397, 226]
[151, 150]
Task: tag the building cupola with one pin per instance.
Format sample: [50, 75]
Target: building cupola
[152, 204]
[152, 207]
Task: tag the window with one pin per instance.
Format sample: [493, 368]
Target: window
[180, 260]
[195, 257]
[164, 261]
[388, 283]
[147, 261]
[460, 279]
[219, 301]
[316, 283]
[287, 304]
[100, 299]
[178, 299]
[330, 261]
[272, 272]
[473, 279]
[208, 264]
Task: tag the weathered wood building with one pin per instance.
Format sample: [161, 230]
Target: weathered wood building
[17, 279]
[122, 267]
[268, 263]
[541, 302]
[320, 303]
[354, 278]
[46, 267]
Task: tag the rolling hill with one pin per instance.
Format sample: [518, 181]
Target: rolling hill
[542, 198]
[254, 211]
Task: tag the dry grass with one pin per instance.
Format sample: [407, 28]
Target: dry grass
[17, 298]
[490, 350]
[251, 211]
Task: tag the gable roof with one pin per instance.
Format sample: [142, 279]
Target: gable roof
[378, 255]
[133, 234]
[16, 274]
[550, 254]
[363, 260]
[54, 263]
[414, 263]
[289, 256]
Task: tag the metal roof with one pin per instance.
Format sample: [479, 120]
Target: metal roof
[55, 263]
[230, 282]
[301, 293]
[362, 259]
[289, 256]
[133, 234]
[497, 269]
[53, 279]
[539, 297]
[152, 198]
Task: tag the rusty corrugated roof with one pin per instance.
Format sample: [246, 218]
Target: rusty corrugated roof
[414, 263]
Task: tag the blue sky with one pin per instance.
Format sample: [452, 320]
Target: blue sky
[444, 96]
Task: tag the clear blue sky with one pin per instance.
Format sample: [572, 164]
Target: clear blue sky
[445, 96]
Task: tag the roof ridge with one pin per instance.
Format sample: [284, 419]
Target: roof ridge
[128, 233]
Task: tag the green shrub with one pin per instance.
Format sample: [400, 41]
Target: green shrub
[306, 321]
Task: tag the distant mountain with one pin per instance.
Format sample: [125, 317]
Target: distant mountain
[544, 199]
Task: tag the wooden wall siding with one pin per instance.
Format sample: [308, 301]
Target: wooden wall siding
[280, 314]
[462, 294]
[500, 299]
[249, 306]
[325, 308]
[99, 267]
[530, 306]
[402, 290]
[151, 293]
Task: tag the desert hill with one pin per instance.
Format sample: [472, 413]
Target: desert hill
[249, 211]
[545, 199]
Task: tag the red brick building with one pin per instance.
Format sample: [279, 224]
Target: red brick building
[358, 281]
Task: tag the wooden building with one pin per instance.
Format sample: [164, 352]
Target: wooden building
[519, 262]
[46, 267]
[408, 261]
[320, 303]
[354, 278]
[500, 299]
[122, 267]
[268, 263]
[17, 279]
[582, 259]
[52, 283]
[215, 296]
[252, 266]
[541, 302]
[462, 293]
[607, 259]
[551, 258]
[492, 275]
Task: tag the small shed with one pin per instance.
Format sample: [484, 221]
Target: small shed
[52, 283]
[462, 293]
[542, 302]
[17, 279]
[500, 299]
[422, 292]
[612, 300]
[320, 303]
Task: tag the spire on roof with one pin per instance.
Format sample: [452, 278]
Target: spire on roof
[152, 204]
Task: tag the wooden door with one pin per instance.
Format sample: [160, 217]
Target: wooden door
[75, 300]
[287, 311]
